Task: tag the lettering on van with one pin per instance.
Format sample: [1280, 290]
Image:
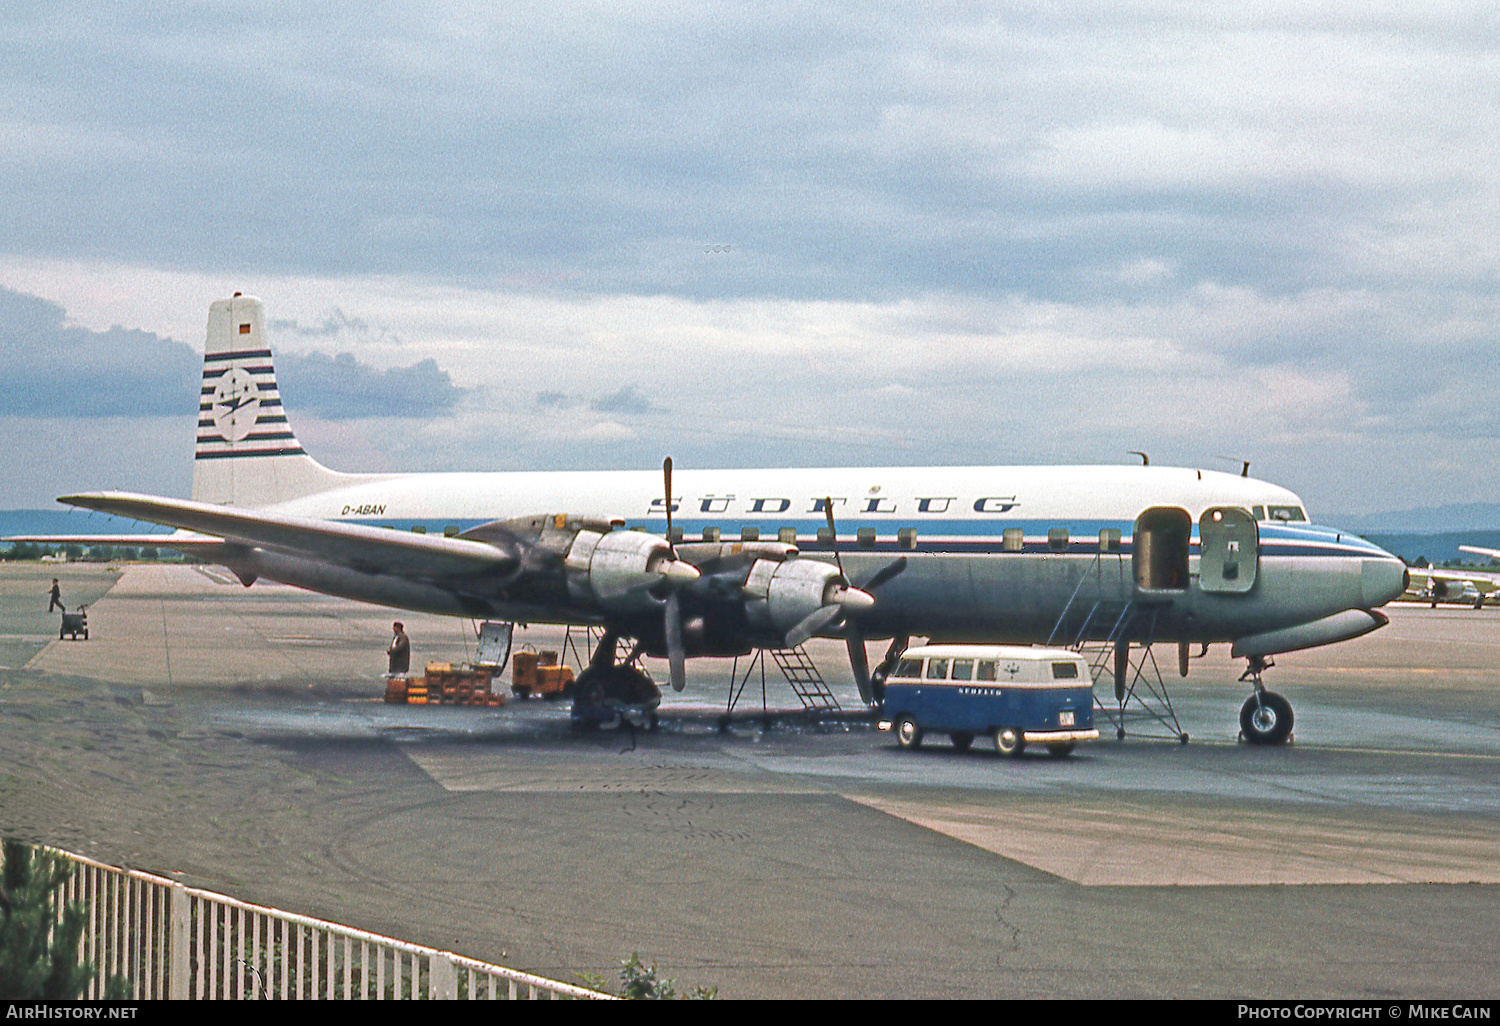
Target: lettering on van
[364, 511]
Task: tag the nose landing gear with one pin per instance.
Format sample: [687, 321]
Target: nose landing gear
[1265, 718]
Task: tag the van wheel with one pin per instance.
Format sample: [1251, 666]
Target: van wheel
[908, 734]
[961, 739]
[1060, 749]
[1008, 741]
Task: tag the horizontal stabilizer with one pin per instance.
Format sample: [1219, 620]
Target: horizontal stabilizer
[373, 549]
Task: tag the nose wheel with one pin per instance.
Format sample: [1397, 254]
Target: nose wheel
[1265, 718]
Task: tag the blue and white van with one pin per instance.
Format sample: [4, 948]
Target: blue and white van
[1015, 694]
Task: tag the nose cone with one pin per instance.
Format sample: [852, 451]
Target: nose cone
[1382, 580]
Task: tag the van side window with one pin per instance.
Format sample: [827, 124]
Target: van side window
[1064, 671]
[937, 669]
[985, 670]
[908, 668]
[963, 669]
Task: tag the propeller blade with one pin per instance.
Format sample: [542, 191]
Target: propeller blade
[833, 542]
[666, 480]
[885, 573]
[859, 661]
[812, 623]
[676, 655]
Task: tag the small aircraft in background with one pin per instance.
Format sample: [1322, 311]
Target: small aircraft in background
[1461, 587]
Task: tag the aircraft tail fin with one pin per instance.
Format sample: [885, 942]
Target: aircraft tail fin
[247, 454]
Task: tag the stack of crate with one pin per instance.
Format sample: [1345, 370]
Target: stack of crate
[460, 685]
[445, 684]
[403, 690]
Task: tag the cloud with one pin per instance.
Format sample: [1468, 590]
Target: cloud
[49, 368]
[339, 387]
[626, 400]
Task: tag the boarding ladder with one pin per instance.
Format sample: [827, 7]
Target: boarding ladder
[801, 673]
[1140, 694]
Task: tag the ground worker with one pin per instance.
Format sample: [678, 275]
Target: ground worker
[400, 650]
[56, 595]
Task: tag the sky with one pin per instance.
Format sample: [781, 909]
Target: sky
[531, 236]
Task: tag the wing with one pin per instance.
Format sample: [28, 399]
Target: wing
[354, 545]
[1479, 550]
[182, 541]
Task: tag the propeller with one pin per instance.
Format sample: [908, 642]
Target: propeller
[672, 611]
[854, 641]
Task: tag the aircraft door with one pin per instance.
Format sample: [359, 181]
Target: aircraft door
[1159, 556]
[1229, 543]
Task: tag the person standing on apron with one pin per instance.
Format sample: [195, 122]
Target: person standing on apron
[399, 651]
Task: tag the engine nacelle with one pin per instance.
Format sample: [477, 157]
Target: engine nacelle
[1454, 591]
[615, 571]
[780, 594]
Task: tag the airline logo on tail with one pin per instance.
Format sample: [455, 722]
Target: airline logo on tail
[239, 411]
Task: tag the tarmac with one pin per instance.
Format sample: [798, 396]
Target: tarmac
[235, 739]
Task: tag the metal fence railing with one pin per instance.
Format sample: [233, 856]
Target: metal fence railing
[171, 941]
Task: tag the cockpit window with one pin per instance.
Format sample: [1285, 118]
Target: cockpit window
[1286, 514]
[1258, 512]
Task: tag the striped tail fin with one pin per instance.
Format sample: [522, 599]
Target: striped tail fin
[247, 453]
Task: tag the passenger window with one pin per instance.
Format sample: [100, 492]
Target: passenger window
[963, 669]
[937, 669]
[418, 529]
[1057, 539]
[825, 536]
[675, 534]
[451, 531]
[1109, 539]
[985, 670]
[749, 534]
[1064, 671]
[908, 668]
[865, 537]
[710, 534]
[906, 538]
[1014, 540]
[787, 536]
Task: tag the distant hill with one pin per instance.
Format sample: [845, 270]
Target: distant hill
[60, 521]
[1438, 548]
[1464, 516]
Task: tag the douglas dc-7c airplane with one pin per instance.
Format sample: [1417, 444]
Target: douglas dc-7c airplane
[720, 562]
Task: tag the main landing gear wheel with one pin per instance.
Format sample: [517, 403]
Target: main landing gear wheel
[1009, 742]
[1266, 719]
[908, 734]
[961, 740]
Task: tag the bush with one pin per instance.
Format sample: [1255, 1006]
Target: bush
[39, 949]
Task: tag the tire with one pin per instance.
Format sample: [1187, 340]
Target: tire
[1060, 749]
[908, 732]
[961, 739]
[1268, 722]
[1009, 742]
